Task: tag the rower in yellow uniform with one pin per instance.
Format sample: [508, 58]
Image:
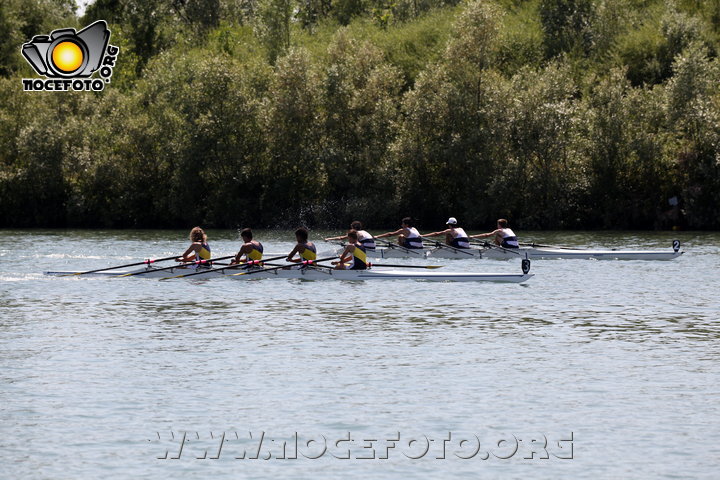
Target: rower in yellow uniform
[251, 249]
[198, 249]
[306, 250]
[353, 257]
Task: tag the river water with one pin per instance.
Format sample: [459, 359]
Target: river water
[592, 369]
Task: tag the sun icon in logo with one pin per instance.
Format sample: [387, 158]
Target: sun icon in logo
[67, 56]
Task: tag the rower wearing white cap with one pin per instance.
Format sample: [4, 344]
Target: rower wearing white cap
[504, 236]
[454, 235]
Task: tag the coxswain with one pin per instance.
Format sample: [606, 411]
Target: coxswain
[365, 239]
[504, 236]
[353, 257]
[251, 249]
[454, 235]
[407, 234]
[198, 249]
[306, 250]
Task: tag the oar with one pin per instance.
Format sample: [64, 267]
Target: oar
[533, 245]
[404, 266]
[510, 250]
[146, 262]
[199, 262]
[443, 245]
[393, 245]
[370, 265]
[307, 263]
[239, 265]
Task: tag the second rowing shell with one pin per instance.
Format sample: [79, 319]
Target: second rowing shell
[536, 253]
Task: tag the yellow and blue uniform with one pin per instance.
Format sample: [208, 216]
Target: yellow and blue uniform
[309, 253]
[204, 252]
[359, 260]
[256, 253]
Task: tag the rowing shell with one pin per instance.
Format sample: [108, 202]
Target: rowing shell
[536, 253]
[327, 274]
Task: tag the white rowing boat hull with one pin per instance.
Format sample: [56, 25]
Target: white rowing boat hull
[535, 253]
[326, 274]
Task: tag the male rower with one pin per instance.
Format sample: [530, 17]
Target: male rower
[198, 249]
[306, 250]
[365, 239]
[251, 249]
[454, 235]
[353, 257]
[504, 236]
[407, 234]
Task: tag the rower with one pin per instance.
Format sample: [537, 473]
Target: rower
[454, 235]
[365, 239]
[305, 249]
[504, 236]
[408, 236]
[198, 249]
[353, 257]
[251, 249]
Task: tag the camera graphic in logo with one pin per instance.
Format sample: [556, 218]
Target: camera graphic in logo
[67, 54]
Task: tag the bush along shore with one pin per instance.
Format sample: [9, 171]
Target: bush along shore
[552, 113]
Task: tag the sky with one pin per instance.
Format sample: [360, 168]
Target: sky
[82, 4]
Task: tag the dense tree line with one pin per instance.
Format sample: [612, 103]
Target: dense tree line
[553, 113]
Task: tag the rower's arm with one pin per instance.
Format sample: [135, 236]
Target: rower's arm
[390, 234]
[244, 250]
[483, 235]
[191, 249]
[330, 239]
[346, 255]
[292, 254]
[435, 234]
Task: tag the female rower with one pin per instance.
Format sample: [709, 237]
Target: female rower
[251, 249]
[454, 235]
[408, 236]
[353, 257]
[198, 249]
[365, 239]
[504, 236]
[305, 249]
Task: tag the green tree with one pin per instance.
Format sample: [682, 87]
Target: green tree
[293, 176]
[567, 25]
[272, 25]
[360, 105]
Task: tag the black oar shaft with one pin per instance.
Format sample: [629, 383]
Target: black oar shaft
[146, 262]
[199, 262]
[444, 245]
[394, 245]
[231, 267]
[307, 263]
[533, 245]
[404, 266]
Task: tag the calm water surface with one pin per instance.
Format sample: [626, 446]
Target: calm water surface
[99, 377]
